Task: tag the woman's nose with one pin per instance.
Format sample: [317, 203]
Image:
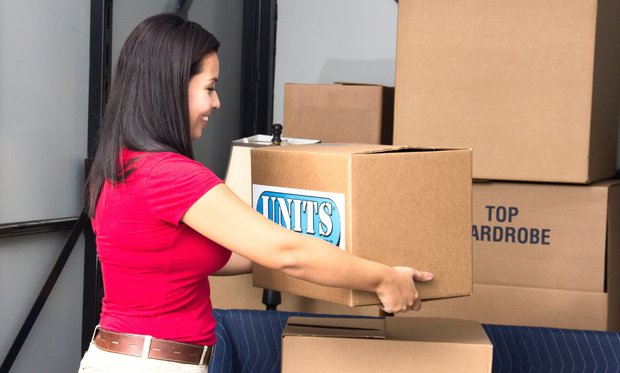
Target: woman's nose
[216, 101]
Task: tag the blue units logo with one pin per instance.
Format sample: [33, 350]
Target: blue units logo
[317, 214]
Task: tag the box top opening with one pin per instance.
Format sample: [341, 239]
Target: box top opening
[356, 149]
[409, 150]
[370, 328]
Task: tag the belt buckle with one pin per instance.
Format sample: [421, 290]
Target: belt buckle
[210, 350]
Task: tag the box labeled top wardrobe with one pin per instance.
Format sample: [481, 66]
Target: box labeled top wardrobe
[544, 255]
[557, 236]
[532, 86]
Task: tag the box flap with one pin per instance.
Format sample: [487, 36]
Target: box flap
[326, 148]
[416, 329]
[335, 327]
[408, 149]
[352, 149]
[361, 84]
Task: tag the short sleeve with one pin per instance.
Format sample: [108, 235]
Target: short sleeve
[174, 184]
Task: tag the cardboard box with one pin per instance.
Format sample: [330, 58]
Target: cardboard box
[572, 282]
[385, 345]
[532, 86]
[396, 205]
[237, 292]
[339, 113]
[523, 306]
[557, 236]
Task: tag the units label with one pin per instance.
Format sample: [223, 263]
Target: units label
[318, 214]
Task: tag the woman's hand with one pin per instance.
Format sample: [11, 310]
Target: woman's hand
[399, 294]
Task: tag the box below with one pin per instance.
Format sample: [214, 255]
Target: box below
[385, 345]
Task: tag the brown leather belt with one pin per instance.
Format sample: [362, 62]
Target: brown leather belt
[159, 349]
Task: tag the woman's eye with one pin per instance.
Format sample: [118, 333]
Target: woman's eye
[212, 89]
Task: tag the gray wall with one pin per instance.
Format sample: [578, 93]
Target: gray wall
[325, 41]
[44, 61]
[224, 18]
[43, 107]
[43, 110]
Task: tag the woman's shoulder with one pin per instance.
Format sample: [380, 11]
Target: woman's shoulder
[153, 159]
[168, 163]
[161, 165]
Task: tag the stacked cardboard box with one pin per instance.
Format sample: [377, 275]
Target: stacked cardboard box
[339, 113]
[385, 345]
[534, 88]
[544, 255]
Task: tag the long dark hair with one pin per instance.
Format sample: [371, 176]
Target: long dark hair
[147, 108]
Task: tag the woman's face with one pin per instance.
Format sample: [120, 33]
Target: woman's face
[202, 95]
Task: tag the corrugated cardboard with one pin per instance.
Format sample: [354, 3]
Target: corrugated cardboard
[532, 86]
[403, 207]
[516, 305]
[385, 345]
[339, 113]
[554, 236]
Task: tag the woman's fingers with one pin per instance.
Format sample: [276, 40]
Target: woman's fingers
[422, 276]
[405, 296]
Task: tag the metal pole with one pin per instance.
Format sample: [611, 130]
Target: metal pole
[99, 84]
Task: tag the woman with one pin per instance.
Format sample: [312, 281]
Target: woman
[164, 222]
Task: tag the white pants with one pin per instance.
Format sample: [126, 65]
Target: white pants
[99, 361]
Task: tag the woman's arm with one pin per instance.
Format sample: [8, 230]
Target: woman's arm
[224, 218]
[237, 265]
